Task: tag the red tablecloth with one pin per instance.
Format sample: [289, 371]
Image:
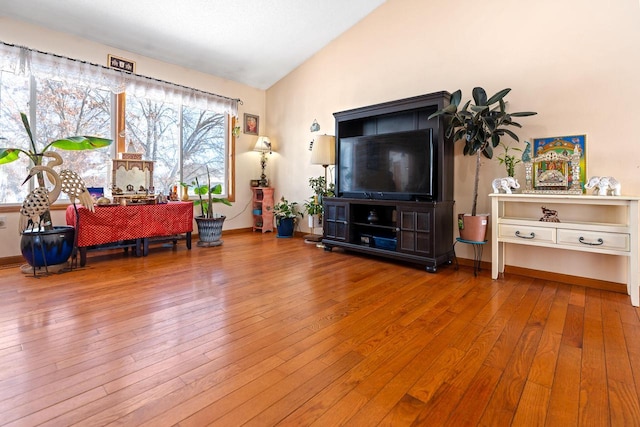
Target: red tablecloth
[115, 223]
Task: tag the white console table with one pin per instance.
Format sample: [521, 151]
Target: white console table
[600, 224]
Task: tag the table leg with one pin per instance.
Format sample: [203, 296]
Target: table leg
[83, 256]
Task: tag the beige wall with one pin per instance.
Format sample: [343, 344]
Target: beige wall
[247, 161]
[575, 62]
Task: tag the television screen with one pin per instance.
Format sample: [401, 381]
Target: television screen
[387, 166]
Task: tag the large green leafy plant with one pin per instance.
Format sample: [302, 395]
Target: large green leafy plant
[10, 154]
[206, 205]
[480, 126]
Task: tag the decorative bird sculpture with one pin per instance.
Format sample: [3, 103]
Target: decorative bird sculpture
[39, 200]
[72, 185]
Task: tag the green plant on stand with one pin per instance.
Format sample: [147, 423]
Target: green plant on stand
[480, 126]
[314, 207]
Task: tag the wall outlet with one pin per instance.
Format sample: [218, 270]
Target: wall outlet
[3, 222]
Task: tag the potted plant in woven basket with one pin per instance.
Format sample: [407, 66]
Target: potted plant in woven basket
[209, 222]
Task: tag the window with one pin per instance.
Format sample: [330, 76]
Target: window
[204, 145]
[182, 130]
[14, 97]
[61, 110]
[182, 142]
[64, 110]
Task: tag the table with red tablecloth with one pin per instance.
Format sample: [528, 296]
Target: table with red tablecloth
[137, 224]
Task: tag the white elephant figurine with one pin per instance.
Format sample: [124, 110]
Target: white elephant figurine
[505, 184]
[603, 185]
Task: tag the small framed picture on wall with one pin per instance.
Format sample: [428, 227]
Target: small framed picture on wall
[251, 124]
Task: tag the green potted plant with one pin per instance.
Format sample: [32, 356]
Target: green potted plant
[209, 222]
[480, 126]
[42, 243]
[508, 160]
[313, 206]
[286, 213]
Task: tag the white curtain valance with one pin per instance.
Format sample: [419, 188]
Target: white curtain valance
[24, 61]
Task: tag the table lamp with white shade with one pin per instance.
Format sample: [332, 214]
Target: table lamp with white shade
[323, 153]
[263, 145]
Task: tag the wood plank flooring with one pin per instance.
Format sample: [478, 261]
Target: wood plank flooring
[265, 331]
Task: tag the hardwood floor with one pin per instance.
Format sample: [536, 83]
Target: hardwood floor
[265, 331]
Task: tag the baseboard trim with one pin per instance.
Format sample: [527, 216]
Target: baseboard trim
[12, 261]
[553, 277]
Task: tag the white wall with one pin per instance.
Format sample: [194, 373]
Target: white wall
[575, 62]
[247, 161]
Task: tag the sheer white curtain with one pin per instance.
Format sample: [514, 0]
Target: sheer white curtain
[25, 61]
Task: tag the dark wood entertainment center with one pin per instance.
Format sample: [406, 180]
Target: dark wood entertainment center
[417, 231]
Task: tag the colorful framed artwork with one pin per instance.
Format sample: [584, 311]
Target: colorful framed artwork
[558, 165]
[251, 124]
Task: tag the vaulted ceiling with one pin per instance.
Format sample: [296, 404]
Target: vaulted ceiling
[254, 42]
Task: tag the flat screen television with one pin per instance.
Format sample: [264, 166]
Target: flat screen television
[393, 166]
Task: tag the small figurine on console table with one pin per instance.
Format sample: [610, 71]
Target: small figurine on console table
[549, 215]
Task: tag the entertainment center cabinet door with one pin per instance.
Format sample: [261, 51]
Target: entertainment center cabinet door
[416, 236]
[335, 223]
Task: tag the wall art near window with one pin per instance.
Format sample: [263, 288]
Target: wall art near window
[556, 165]
[251, 124]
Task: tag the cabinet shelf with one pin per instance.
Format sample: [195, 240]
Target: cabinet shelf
[376, 226]
[262, 205]
[423, 233]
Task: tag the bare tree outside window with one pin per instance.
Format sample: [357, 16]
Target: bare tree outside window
[14, 98]
[204, 144]
[154, 129]
[62, 110]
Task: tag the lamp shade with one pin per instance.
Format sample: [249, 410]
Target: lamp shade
[323, 151]
[263, 144]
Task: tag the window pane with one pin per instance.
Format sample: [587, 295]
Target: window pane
[14, 99]
[64, 110]
[204, 144]
[152, 128]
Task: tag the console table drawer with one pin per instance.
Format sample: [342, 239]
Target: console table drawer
[526, 233]
[595, 239]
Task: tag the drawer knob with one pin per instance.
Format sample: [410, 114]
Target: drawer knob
[530, 236]
[598, 242]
